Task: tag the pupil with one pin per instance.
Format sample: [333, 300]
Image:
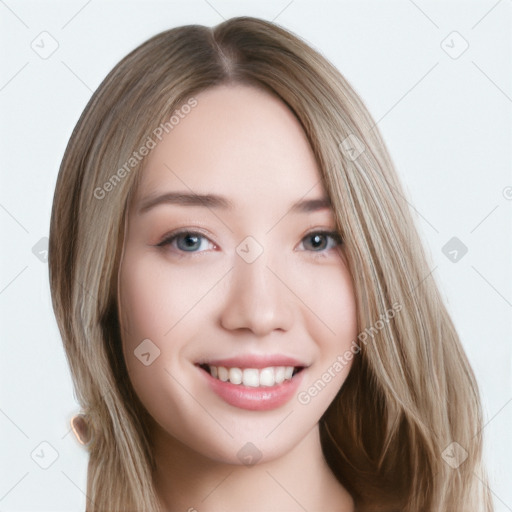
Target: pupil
[190, 241]
[317, 241]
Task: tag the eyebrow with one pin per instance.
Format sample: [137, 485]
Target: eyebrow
[219, 202]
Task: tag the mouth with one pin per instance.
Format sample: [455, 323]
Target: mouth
[252, 377]
[254, 383]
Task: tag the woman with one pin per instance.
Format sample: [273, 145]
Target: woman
[246, 307]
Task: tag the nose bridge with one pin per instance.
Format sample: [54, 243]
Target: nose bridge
[250, 265]
[255, 277]
[256, 299]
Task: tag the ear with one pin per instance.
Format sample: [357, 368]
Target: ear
[81, 428]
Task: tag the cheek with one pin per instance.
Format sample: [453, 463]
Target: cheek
[154, 296]
[332, 324]
[152, 300]
[338, 309]
[329, 295]
[161, 310]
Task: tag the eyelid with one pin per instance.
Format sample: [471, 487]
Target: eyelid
[168, 238]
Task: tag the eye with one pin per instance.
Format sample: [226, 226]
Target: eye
[186, 241]
[319, 241]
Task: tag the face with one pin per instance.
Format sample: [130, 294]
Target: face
[235, 299]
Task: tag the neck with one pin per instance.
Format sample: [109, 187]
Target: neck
[299, 480]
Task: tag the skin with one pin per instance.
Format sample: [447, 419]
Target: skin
[295, 299]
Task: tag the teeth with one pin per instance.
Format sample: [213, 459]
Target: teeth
[253, 377]
[235, 375]
[222, 373]
[279, 374]
[267, 377]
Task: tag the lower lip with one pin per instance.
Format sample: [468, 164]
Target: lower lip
[255, 399]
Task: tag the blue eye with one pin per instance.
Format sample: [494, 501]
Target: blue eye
[322, 240]
[186, 241]
[194, 242]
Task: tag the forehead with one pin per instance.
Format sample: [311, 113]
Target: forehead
[238, 141]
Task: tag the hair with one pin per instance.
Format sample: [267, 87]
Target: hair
[410, 392]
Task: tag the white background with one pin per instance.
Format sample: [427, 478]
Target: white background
[447, 122]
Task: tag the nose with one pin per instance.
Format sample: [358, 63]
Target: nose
[257, 300]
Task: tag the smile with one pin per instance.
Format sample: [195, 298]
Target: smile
[254, 383]
[252, 377]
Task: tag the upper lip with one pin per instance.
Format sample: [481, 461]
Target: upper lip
[254, 361]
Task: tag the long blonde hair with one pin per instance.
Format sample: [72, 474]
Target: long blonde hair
[410, 393]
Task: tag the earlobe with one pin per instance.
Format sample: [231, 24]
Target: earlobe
[81, 429]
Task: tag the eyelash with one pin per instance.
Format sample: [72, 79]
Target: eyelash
[170, 238]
